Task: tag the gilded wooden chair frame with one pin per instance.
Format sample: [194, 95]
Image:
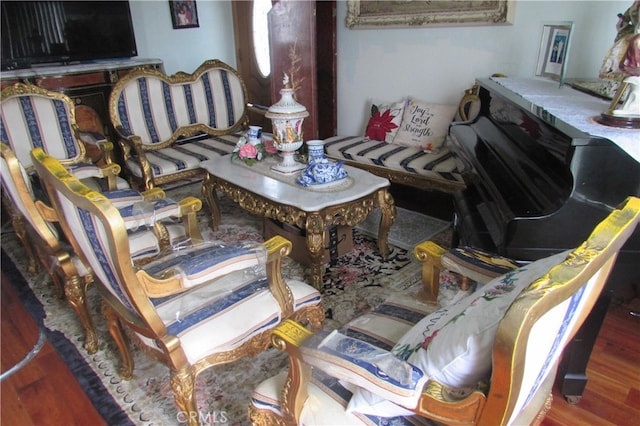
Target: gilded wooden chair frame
[31, 222]
[590, 262]
[142, 319]
[109, 169]
[132, 145]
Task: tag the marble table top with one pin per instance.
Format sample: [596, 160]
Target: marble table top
[283, 189]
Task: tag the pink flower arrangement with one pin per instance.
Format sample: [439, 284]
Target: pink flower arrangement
[249, 153]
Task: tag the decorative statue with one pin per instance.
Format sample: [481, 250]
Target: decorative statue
[630, 65]
[622, 64]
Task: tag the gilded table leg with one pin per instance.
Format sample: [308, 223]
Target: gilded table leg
[387, 207]
[315, 245]
[210, 196]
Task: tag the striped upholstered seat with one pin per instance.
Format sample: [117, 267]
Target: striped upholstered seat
[400, 164]
[192, 309]
[169, 124]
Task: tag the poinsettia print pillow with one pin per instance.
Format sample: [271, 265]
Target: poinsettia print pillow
[384, 121]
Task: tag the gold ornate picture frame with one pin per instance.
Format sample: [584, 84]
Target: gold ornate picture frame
[374, 14]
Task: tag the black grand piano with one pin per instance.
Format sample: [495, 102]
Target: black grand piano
[537, 185]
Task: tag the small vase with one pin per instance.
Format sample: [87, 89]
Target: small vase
[254, 135]
[315, 150]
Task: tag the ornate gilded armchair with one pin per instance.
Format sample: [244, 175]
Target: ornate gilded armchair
[192, 309]
[32, 222]
[153, 224]
[33, 117]
[489, 358]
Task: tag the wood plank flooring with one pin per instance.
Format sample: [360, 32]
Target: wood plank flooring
[45, 392]
[612, 395]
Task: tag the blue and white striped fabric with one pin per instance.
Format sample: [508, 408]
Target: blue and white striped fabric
[440, 166]
[382, 327]
[153, 109]
[35, 121]
[223, 314]
[184, 157]
[146, 213]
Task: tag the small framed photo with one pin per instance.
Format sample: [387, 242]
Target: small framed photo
[554, 50]
[184, 14]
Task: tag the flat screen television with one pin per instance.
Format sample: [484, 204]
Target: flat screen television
[64, 32]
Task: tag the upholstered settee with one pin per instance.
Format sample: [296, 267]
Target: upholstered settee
[167, 125]
[404, 165]
[407, 143]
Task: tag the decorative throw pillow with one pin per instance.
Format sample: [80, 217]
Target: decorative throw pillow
[454, 344]
[384, 121]
[424, 125]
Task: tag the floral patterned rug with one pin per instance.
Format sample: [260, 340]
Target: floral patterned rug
[358, 281]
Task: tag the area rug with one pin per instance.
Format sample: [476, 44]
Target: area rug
[358, 281]
[408, 229]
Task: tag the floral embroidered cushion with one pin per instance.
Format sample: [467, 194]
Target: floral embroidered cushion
[384, 121]
[454, 344]
[424, 125]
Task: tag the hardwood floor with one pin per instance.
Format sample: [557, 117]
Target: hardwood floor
[45, 392]
[612, 395]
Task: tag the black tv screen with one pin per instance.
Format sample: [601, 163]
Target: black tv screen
[62, 32]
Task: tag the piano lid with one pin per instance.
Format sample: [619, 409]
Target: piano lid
[571, 111]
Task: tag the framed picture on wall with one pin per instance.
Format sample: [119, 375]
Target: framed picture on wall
[554, 50]
[184, 14]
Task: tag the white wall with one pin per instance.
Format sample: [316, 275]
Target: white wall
[437, 64]
[184, 49]
[431, 64]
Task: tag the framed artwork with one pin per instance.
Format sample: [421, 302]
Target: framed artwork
[184, 14]
[554, 50]
[384, 13]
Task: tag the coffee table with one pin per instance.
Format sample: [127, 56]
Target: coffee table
[274, 195]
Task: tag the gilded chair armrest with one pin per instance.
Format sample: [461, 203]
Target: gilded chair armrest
[439, 403]
[366, 366]
[189, 208]
[133, 148]
[477, 265]
[99, 149]
[429, 254]
[111, 171]
[278, 247]
[154, 194]
[289, 336]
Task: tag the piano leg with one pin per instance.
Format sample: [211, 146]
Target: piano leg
[572, 375]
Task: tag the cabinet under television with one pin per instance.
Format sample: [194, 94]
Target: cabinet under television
[88, 84]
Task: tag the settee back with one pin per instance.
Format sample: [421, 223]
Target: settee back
[159, 109]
